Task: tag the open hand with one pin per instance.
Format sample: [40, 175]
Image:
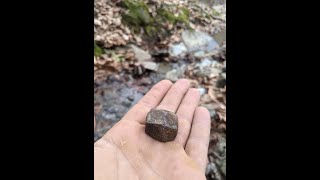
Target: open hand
[126, 152]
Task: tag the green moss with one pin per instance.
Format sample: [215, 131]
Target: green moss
[98, 51]
[151, 30]
[215, 13]
[184, 16]
[137, 17]
[164, 14]
[134, 4]
[185, 11]
[116, 57]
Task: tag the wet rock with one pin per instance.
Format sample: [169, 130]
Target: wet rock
[207, 68]
[117, 110]
[202, 91]
[161, 125]
[212, 172]
[126, 102]
[140, 54]
[221, 147]
[220, 37]
[107, 116]
[177, 49]
[138, 71]
[221, 54]
[160, 54]
[205, 63]
[220, 155]
[224, 69]
[212, 2]
[144, 58]
[154, 78]
[199, 54]
[152, 66]
[116, 97]
[199, 41]
[224, 75]
[164, 67]
[221, 83]
[131, 98]
[174, 74]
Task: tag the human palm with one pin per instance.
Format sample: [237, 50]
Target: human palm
[127, 152]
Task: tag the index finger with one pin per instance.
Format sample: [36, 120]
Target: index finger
[153, 97]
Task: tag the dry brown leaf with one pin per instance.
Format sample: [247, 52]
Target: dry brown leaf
[193, 83]
[129, 55]
[211, 94]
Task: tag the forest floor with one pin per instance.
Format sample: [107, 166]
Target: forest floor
[139, 43]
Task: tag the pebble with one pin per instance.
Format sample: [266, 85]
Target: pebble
[202, 91]
[162, 125]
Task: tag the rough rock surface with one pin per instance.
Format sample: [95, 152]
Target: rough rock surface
[162, 125]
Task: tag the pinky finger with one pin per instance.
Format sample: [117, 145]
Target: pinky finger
[198, 142]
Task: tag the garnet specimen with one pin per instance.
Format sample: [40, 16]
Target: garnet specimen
[162, 125]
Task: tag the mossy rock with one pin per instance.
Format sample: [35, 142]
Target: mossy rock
[165, 15]
[137, 17]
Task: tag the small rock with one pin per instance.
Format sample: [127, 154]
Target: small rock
[220, 36]
[221, 147]
[205, 63]
[213, 171]
[199, 41]
[110, 117]
[174, 74]
[138, 71]
[131, 98]
[199, 54]
[220, 151]
[164, 67]
[160, 53]
[162, 125]
[202, 91]
[223, 167]
[125, 37]
[140, 54]
[97, 22]
[224, 75]
[118, 110]
[210, 3]
[177, 49]
[207, 68]
[126, 102]
[150, 65]
[221, 83]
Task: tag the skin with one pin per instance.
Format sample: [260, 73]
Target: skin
[125, 152]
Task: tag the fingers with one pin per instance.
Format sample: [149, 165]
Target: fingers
[174, 96]
[185, 115]
[153, 97]
[198, 142]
